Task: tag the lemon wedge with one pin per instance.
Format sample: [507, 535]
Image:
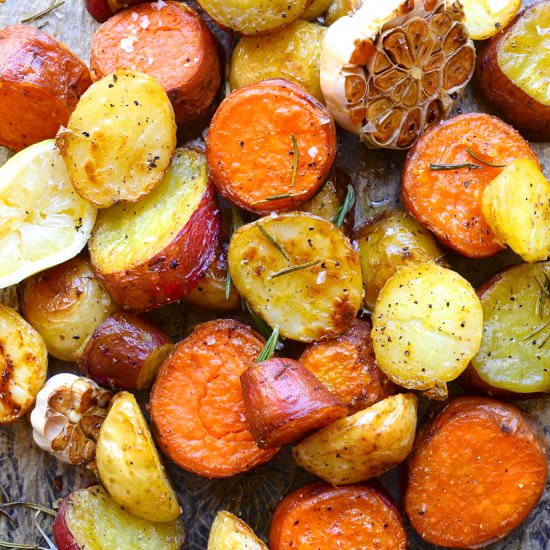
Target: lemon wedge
[43, 221]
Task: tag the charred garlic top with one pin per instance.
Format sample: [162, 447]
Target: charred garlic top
[395, 67]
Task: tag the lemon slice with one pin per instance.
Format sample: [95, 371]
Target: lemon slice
[43, 221]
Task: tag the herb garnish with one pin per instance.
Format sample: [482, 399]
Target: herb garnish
[544, 294]
[455, 166]
[261, 325]
[273, 241]
[346, 207]
[483, 161]
[42, 13]
[277, 197]
[270, 346]
[293, 268]
[295, 160]
[236, 222]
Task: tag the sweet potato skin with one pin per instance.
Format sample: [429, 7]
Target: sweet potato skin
[41, 82]
[309, 517]
[284, 401]
[476, 472]
[174, 271]
[193, 75]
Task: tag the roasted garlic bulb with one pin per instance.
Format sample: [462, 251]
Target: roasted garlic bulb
[395, 67]
[66, 419]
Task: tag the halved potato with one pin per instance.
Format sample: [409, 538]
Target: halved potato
[65, 304]
[154, 252]
[512, 71]
[129, 466]
[516, 205]
[297, 272]
[228, 532]
[253, 16]
[363, 445]
[120, 139]
[316, 9]
[89, 519]
[291, 53]
[23, 365]
[427, 326]
[485, 18]
[328, 201]
[340, 8]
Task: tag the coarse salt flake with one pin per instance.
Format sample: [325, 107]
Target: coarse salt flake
[321, 277]
[313, 152]
[127, 44]
[135, 16]
[210, 340]
[144, 22]
[159, 4]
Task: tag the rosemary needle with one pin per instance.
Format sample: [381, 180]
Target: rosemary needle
[270, 346]
[295, 160]
[483, 161]
[42, 13]
[273, 241]
[346, 207]
[455, 166]
[277, 197]
[293, 268]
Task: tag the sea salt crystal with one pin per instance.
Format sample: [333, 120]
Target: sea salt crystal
[150, 61]
[144, 22]
[321, 277]
[159, 4]
[210, 340]
[135, 16]
[313, 152]
[127, 44]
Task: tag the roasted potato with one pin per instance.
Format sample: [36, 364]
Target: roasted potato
[427, 326]
[23, 365]
[89, 519]
[512, 71]
[228, 532]
[129, 466]
[65, 304]
[391, 240]
[120, 139]
[316, 9]
[328, 201]
[340, 8]
[485, 18]
[297, 272]
[514, 358]
[211, 292]
[154, 252]
[292, 53]
[125, 352]
[253, 16]
[516, 205]
[363, 445]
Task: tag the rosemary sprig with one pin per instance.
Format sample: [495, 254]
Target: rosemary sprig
[544, 294]
[30, 506]
[483, 161]
[346, 207]
[270, 346]
[278, 197]
[42, 13]
[293, 268]
[273, 241]
[455, 166]
[261, 325]
[295, 159]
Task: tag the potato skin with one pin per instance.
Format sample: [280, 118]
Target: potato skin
[228, 532]
[65, 304]
[363, 445]
[34, 103]
[284, 401]
[516, 106]
[125, 352]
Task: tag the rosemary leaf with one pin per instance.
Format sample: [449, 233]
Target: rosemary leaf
[545, 339]
[295, 161]
[227, 285]
[273, 241]
[293, 268]
[270, 346]
[538, 330]
[346, 207]
[14, 545]
[261, 325]
[43, 12]
[278, 197]
[442, 167]
[30, 506]
[483, 161]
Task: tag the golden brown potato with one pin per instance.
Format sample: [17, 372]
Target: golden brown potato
[339, 8]
[363, 445]
[512, 72]
[210, 293]
[328, 201]
[23, 365]
[391, 240]
[125, 352]
[316, 9]
[120, 139]
[228, 532]
[485, 18]
[129, 466]
[65, 304]
[291, 53]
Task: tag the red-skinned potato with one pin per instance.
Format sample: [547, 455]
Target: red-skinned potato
[511, 72]
[284, 401]
[101, 10]
[89, 519]
[154, 252]
[125, 352]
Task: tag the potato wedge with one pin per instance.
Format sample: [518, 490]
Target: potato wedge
[120, 139]
[516, 205]
[23, 365]
[391, 240]
[65, 304]
[298, 272]
[253, 16]
[363, 445]
[154, 252]
[485, 18]
[129, 466]
[427, 326]
[228, 532]
[292, 53]
[89, 519]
